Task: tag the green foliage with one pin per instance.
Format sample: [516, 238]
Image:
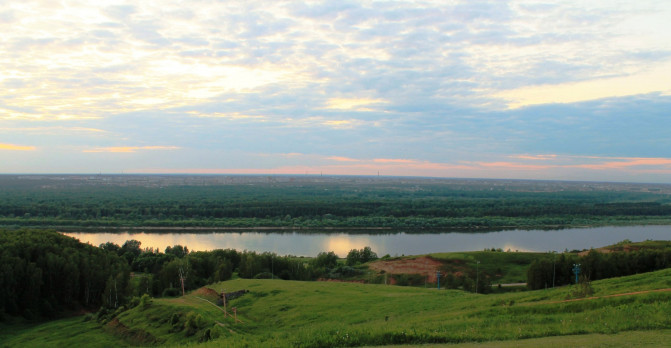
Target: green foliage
[639, 258]
[43, 273]
[421, 204]
[193, 323]
[145, 301]
[317, 314]
[171, 292]
[355, 257]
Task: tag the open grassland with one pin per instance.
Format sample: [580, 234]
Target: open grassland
[72, 332]
[653, 338]
[312, 314]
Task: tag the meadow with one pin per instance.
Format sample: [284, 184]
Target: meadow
[316, 314]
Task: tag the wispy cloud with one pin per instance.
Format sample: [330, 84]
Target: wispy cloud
[358, 104]
[14, 147]
[131, 149]
[342, 159]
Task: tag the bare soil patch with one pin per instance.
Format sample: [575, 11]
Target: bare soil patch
[421, 265]
[207, 293]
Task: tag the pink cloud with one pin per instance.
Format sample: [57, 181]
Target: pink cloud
[394, 160]
[513, 165]
[342, 159]
[130, 149]
[536, 157]
[493, 169]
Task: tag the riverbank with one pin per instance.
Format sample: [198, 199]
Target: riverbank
[390, 225]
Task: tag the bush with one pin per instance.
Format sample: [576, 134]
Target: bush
[409, 279]
[145, 301]
[193, 323]
[171, 292]
[264, 275]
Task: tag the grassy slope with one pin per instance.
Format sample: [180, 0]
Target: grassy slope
[74, 332]
[512, 266]
[283, 313]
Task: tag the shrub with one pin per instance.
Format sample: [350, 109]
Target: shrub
[145, 301]
[193, 323]
[171, 292]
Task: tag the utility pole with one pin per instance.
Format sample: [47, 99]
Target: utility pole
[576, 270]
[477, 275]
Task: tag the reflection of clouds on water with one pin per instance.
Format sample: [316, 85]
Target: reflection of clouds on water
[304, 244]
[512, 247]
[341, 244]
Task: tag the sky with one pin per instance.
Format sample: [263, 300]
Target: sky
[558, 90]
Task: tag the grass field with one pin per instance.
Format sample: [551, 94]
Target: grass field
[313, 314]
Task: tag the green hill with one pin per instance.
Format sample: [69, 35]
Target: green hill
[313, 314]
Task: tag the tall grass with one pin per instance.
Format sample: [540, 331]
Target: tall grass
[278, 313]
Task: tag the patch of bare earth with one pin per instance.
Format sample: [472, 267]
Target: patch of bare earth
[207, 293]
[421, 265]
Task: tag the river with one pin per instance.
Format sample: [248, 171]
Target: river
[304, 243]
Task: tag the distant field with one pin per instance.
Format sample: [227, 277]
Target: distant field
[313, 314]
[315, 202]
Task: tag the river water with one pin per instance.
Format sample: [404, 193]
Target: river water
[304, 243]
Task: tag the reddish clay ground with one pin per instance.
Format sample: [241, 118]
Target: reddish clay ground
[207, 293]
[422, 265]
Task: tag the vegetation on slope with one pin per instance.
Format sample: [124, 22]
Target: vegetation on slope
[317, 314]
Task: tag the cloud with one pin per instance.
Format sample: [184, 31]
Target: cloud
[54, 130]
[13, 147]
[645, 82]
[131, 149]
[352, 103]
[448, 86]
[342, 159]
[535, 157]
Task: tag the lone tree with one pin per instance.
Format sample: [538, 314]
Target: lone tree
[364, 255]
[183, 272]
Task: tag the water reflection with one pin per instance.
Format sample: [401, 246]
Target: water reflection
[305, 244]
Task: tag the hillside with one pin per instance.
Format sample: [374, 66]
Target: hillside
[312, 314]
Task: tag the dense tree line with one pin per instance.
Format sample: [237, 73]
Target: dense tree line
[43, 273]
[595, 265]
[316, 205]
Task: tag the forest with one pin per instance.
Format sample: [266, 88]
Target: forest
[44, 274]
[595, 265]
[421, 204]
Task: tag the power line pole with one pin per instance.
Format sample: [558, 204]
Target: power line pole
[477, 275]
[576, 270]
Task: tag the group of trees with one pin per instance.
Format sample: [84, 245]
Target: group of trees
[316, 205]
[595, 265]
[358, 256]
[43, 273]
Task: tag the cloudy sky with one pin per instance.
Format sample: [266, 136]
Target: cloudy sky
[572, 90]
